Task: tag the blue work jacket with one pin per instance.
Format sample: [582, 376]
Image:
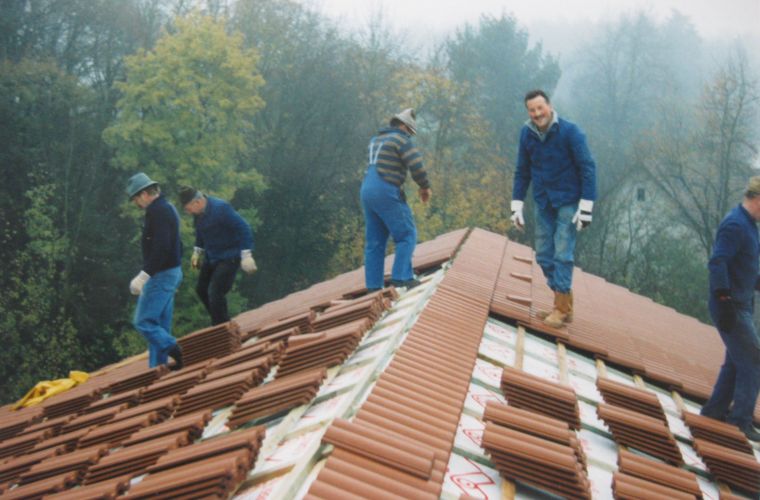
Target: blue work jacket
[734, 261]
[559, 164]
[221, 231]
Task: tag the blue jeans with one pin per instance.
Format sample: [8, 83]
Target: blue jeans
[739, 377]
[386, 213]
[555, 245]
[153, 317]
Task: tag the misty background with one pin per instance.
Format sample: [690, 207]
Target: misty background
[270, 104]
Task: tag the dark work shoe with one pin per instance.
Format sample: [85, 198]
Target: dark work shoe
[751, 433]
[408, 284]
[176, 354]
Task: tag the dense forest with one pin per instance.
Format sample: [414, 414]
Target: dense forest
[270, 105]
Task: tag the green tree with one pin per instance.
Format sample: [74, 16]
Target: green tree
[186, 110]
[43, 236]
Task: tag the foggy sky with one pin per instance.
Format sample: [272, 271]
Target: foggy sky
[712, 18]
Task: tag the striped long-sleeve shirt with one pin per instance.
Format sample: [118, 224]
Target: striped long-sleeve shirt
[393, 152]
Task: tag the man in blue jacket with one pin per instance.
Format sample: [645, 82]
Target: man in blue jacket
[161, 273]
[226, 240]
[734, 278]
[553, 155]
[391, 154]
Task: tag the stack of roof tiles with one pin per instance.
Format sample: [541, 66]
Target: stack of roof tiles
[68, 441]
[102, 490]
[213, 342]
[370, 307]
[535, 424]
[264, 352]
[726, 452]
[129, 398]
[718, 432]
[210, 469]
[173, 385]
[322, 349]
[134, 460]
[653, 471]
[92, 419]
[630, 487]
[13, 422]
[735, 468]
[164, 409]
[276, 396]
[530, 392]
[639, 431]
[53, 424]
[23, 443]
[44, 487]
[417, 401]
[12, 468]
[219, 392]
[114, 433]
[302, 321]
[70, 402]
[375, 464]
[192, 425]
[548, 465]
[77, 461]
[129, 377]
[631, 398]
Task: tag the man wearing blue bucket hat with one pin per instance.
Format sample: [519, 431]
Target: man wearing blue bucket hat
[161, 273]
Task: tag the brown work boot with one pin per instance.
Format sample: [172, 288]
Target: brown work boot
[558, 316]
[543, 314]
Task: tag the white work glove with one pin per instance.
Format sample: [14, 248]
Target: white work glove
[582, 218]
[195, 260]
[247, 263]
[138, 282]
[517, 214]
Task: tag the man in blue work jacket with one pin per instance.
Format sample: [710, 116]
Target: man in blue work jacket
[391, 154]
[226, 240]
[553, 155]
[161, 272]
[734, 278]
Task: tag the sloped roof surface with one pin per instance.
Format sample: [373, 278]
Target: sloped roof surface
[453, 388]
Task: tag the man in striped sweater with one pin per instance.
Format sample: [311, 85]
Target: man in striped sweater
[391, 154]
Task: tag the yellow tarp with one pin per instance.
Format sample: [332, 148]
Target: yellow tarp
[47, 388]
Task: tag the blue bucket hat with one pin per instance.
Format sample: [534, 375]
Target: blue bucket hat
[137, 183]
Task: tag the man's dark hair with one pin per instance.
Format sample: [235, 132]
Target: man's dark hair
[536, 93]
[187, 194]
